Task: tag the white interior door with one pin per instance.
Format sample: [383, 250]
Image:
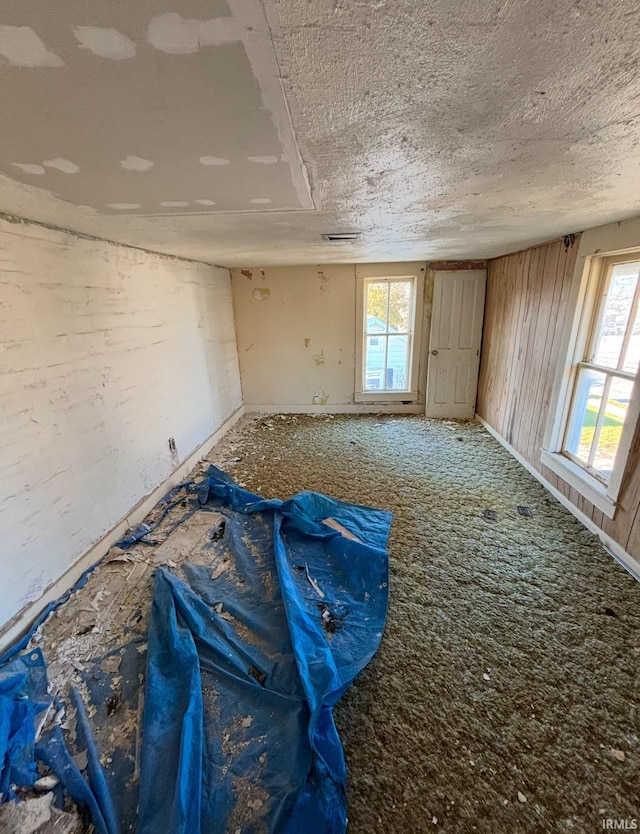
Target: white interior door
[454, 343]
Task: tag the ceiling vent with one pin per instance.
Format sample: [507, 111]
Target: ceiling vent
[342, 237]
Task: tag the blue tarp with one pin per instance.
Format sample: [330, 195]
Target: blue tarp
[24, 700]
[247, 655]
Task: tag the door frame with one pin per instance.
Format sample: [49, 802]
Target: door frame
[436, 270]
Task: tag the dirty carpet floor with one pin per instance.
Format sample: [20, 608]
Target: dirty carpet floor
[504, 695]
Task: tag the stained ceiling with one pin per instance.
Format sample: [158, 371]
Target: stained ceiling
[238, 132]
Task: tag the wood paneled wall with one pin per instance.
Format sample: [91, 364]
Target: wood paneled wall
[526, 309]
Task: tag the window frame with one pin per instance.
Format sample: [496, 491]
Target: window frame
[378, 275]
[590, 307]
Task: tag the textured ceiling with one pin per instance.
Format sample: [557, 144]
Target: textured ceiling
[439, 130]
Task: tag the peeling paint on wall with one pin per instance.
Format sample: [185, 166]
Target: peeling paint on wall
[325, 282]
[320, 397]
[294, 359]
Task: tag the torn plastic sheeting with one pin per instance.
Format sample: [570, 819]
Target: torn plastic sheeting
[138, 534]
[142, 531]
[243, 672]
[24, 700]
[24, 704]
[93, 793]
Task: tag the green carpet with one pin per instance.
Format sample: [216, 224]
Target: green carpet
[505, 692]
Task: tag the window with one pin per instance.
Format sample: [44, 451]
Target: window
[389, 314]
[386, 333]
[600, 405]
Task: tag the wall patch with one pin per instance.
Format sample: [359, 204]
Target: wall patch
[214, 160]
[136, 163]
[29, 167]
[105, 43]
[176, 35]
[22, 47]
[61, 164]
[261, 294]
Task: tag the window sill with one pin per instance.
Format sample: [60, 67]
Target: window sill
[588, 486]
[385, 397]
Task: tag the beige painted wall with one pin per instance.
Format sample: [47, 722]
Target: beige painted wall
[296, 329]
[105, 353]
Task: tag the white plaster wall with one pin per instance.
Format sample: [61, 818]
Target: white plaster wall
[296, 329]
[105, 353]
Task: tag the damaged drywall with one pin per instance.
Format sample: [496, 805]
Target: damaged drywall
[298, 350]
[219, 140]
[302, 336]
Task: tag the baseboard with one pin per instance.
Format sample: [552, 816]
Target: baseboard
[611, 545]
[337, 408]
[23, 620]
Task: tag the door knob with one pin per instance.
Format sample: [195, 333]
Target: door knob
[434, 352]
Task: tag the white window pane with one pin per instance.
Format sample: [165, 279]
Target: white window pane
[377, 299]
[632, 356]
[397, 364]
[584, 413]
[374, 363]
[611, 432]
[399, 306]
[615, 318]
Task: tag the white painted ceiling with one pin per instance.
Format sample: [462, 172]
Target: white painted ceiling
[237, 132]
